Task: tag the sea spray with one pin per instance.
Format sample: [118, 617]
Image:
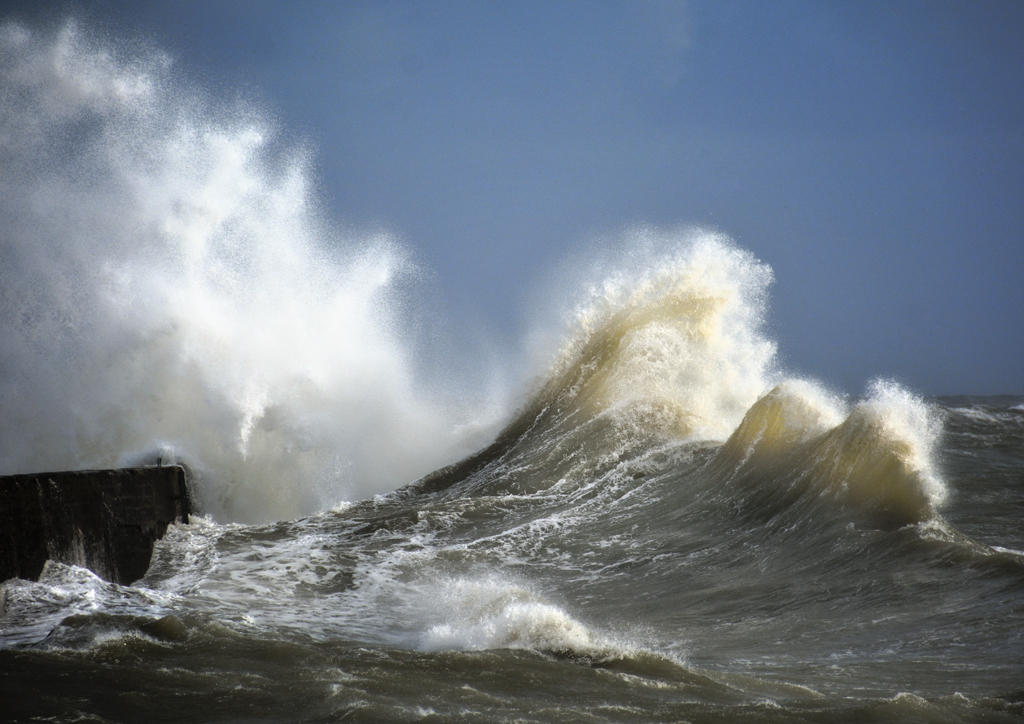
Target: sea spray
[171, 290]
[670, 328]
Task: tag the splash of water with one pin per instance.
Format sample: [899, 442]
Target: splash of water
[669, 335]
[487, 614]
[170, 289]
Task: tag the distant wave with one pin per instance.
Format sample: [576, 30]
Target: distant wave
[878, 458]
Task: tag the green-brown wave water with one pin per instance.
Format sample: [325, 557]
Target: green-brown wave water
[781, 576]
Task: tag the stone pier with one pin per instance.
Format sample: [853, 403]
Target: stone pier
[103, 520]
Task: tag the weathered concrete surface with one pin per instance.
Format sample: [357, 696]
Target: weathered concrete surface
[103, 520]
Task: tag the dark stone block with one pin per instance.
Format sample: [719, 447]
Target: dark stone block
[103, 520]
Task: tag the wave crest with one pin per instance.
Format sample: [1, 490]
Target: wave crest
[492, 614]
[677, 334]
[877, 456]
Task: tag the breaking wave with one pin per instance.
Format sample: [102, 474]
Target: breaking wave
[877, 456]
[172, 290]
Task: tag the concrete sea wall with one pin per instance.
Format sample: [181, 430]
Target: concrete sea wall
[103, 520]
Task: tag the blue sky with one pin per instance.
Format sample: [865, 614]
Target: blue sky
[871, 153]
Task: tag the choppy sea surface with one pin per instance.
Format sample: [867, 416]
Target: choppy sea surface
[596, 579]
[659, 524]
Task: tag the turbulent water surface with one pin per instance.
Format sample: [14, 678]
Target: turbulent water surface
[663, 527]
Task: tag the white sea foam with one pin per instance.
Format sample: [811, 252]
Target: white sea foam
[492, 613]
[32, 609]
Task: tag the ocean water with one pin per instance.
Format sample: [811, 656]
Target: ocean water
[646, 519]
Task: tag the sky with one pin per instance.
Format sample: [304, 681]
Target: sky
[871, 153]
